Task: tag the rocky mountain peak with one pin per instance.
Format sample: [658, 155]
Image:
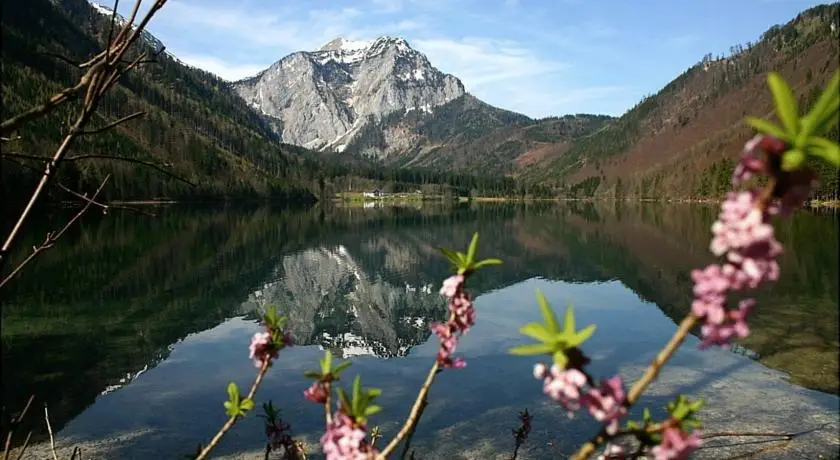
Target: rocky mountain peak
[322, 99]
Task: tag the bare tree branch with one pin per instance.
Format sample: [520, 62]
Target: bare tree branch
[103, 72]
[131, 160]
[115, 123]
[49, 430]
[52, 237]
[13, 425]
[82, 197]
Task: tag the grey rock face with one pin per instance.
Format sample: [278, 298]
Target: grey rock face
[321, 99]
[330, 300]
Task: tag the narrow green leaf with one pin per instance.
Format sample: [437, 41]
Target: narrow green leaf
[549, 318]
[569, 322]
[537, 332]
[233, 393]
[312, 374]
[231, 409]
[532, 349]
[825, 105]
[829, 121]
[373, 392]
[792, 159]
[326, 363]
[342, 396]
[246, 405]
[472, 249]
[450, 254]
[765, 127]
[372, 409]
[825, 149]
[786, 108]
[357, 394]
[341, 367]
[582, 336]
[646, 415]
[487, 262]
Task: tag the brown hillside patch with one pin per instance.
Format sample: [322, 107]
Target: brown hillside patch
[715, 129]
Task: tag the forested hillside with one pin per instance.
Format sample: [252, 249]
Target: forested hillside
[194, 126]
[683, 141]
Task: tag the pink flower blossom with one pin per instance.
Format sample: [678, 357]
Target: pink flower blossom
[735, 325]
[561, 385]
[452, 285]
[345, 439]
[606, 403]
[316, 393]
[613, 452]
[676, 444]
[448, 343]
[261, 348]
[462, 307]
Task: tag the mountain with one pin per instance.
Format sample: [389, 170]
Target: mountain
[683, 141]
[194, 127]
[380, 99]
[320, 99]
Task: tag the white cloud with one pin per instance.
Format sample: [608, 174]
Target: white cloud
[482, 61]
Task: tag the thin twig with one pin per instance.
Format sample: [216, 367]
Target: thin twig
[328, 404]
[416, 408]
[131, 160]
[232, 420]
[49, 430]
[722, 434]
[102, 74]
[13, 424]
[410, 435]
[59, 57]
[24, 156]
[82, 197]
[25, 445]
[639, 387]
[115, 123]
[51, 238]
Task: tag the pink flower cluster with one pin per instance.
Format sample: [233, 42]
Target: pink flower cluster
[345, 439]
[676, 444]
[317, 392]
[566, 386]
[262, 348]
[462, 318]
[744, 236]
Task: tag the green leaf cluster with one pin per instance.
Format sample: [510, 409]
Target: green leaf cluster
[359, 405]
[234, 406]
[684, 411]
[802, 134]
[550, 338]
[271, 415]
[465, 264]
[327, 373]
[276, 324]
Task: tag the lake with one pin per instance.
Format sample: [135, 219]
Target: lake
[131, 328]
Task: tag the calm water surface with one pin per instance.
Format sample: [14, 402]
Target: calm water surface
[131, 328]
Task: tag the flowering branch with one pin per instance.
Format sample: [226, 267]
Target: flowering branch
[414, 414]
[744, 237]
[233, 418]
[461, 319]
[265, 346]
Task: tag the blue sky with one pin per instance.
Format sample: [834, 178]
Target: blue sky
[537, 57]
